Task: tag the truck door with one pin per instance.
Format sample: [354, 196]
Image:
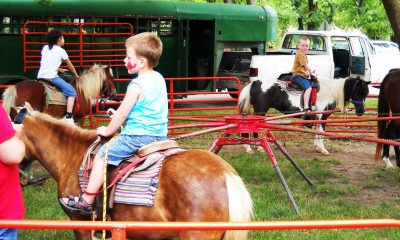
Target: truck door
[360, 66]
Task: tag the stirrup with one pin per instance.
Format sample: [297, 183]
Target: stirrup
[76, 204]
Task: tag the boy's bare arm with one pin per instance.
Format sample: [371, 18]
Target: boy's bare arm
[119, 117]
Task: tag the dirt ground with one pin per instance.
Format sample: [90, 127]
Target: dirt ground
[357, 167]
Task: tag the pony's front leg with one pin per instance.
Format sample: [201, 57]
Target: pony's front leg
[319, 142]
[247, 147]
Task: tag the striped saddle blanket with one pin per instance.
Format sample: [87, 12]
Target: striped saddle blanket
[140, 184]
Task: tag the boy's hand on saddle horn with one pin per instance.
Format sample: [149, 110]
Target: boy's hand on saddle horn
[104, 131]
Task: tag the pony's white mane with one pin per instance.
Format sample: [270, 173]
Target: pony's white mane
[332, 90]
[91, 81]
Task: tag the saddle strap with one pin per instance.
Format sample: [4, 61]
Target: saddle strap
[126, 169]
[86, 157]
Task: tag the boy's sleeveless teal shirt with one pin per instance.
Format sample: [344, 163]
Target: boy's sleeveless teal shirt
[149, 116]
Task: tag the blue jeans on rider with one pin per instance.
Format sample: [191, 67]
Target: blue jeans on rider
[65, 87]
[8, 234]
[125, 146]
[303, 82]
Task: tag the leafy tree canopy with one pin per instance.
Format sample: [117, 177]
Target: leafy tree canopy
[369, 16]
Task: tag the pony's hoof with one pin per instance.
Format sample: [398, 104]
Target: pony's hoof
[389, 167]
[388, 163]
[250, 151]
[260, 149]
[323, 151]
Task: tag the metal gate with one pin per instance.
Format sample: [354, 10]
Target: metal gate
[87, 43]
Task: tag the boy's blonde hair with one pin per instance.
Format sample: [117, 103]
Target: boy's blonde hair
[304, 38]
[147, 45]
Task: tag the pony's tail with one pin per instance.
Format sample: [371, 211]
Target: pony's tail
[9, 96]
[383, 111]
[244, 99]
[240, 206]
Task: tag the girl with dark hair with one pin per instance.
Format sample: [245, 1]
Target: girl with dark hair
[52, 56]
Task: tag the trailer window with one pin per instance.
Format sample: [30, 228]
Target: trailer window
[164, 28]
[10, 25]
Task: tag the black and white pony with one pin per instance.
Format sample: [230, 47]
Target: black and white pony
[271, 94]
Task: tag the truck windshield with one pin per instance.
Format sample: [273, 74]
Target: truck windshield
[317, 43]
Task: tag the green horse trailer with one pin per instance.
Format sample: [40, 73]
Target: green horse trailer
[196, 36]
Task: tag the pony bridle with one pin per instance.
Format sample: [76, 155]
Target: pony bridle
[356, 102]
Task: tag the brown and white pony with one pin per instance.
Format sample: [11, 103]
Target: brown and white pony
[94, 82]
[194, 185]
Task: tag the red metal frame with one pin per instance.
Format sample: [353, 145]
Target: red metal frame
[173, 101]
[119, 228]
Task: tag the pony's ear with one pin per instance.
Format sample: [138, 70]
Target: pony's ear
[110, 70]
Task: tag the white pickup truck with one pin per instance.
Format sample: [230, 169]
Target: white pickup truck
[332, 54]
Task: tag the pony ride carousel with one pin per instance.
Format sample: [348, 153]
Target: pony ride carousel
[235, 129]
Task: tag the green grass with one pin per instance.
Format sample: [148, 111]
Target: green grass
[371, 102]
[330, 198]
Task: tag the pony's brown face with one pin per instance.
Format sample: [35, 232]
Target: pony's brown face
[108, 89]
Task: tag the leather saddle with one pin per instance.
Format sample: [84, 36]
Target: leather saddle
[287, 80]
[124, 169]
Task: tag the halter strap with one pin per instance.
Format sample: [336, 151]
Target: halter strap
[351, 97]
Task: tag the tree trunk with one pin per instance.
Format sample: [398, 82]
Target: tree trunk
[299, 19]
[392, 8]
[311, 10]
[227, 1]
[251, 2]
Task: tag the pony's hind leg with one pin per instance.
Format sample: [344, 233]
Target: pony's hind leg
[397, 152]
[385, 156]
[389, 134]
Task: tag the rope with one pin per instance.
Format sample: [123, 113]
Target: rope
[103, 237]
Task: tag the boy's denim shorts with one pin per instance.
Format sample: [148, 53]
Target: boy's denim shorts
[125, 146]
[304, 83]
[8, 233]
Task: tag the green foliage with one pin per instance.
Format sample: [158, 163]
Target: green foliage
[369, 16]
